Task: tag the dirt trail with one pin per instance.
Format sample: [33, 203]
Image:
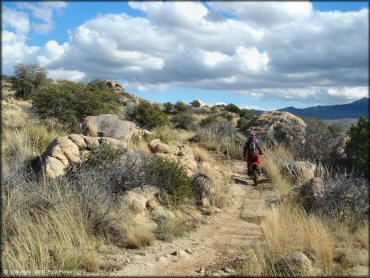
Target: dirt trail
[213, 246]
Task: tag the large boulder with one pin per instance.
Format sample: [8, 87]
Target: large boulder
[278, 127]
[294, 264]
[113, 85]
[107, 125]
[300, 171]
[311, 192]
[66, 151]
[156, 146]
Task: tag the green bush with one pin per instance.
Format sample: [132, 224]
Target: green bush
[227, 116]
[150, 115]
[162, 133]
[196, 103]
[358, 146]
[181, 107]
[243, 122]
[104, 152]
[69, 102]
[247, 114]
[171, 177]
[27, 79]
[232, 108]
[168, 107]
[209, 120]
[184, 121]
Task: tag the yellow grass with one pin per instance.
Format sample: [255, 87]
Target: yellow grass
[138, 236]
[201, 154]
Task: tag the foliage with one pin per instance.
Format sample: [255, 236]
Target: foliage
[196, 103]
[163, 133]
[181, 107]
[246, 113]
[227, 116]
[150, 115]
[98, 84]
[209, 120]
[69, 101]
[170, 177]
[184, 120]
[26, 79]
[168, 107]
[242, 123]
[232, 108]
[105, 152]
[358, 146]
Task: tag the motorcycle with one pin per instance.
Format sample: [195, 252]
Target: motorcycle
[254, 172]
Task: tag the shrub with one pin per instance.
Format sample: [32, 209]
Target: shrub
[168, 229]
[27, 79]
[150, 115]
[163, 133]
[168, 107]
[209, 120]
[181, 107]
[227, 116]
[196, 103]
[170, 177]
[184, 121]
[242, 123]
[232, 108]
[69, 101]
[358, 146]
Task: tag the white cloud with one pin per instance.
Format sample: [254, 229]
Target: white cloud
[43, 12]
[283, 51]
[62, 74]
[16, 20]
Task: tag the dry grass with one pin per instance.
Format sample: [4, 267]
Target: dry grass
[138, 236]
[163, 133]
[183, 136]
[272, 162]
[362, 235]
[289, 229]
[169, 229]
[138, 144]
[42, 241]
[201, 154]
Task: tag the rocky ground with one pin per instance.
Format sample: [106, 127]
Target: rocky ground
[214, 248]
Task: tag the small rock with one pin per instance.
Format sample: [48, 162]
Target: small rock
[175, 253]
[201, 269]
[182, 253]
[228, 270]
[189, 251]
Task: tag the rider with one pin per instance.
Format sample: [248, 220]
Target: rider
[252, 151]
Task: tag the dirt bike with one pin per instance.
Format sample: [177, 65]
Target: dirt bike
[254, 172]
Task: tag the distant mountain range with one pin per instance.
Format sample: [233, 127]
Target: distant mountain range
[330, 112]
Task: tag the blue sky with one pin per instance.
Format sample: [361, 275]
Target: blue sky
[160, 57]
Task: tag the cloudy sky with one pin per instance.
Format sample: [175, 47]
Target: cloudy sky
[258, 55]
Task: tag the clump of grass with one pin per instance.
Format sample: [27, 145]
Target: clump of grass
[201, 154]
[163, 133]
[272, 162]
[168, 228]
[138, 236]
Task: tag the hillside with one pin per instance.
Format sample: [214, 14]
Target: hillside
[331, 112]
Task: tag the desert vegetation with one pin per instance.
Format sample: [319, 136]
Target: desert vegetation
[131, 193]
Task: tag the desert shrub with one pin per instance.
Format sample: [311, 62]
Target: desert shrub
[246, 113]
[170, 177]
[209, 120]
[184, 121]
[26, 79]
[163, 133]
[358, 146]
[196, 103]
[181, 107]
[242, 123]
[105, 152]
[168, 107]
[169, 229]
[69, 101]
[232, 108]
[149, 115]
[227, 116]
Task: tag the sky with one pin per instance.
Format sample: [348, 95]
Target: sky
[260, 55]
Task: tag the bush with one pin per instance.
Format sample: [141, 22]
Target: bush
[242, 123]
[69, 102]
[209, 120]
[232, 108]
[358, 146]
[165, 134]
[184, 121]
[27, 79]
[196, 103]
[227, 116]
[168, 107]
[181, 107]
[150, 115]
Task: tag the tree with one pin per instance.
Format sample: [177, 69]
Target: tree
[358, 145]
[196, 103]
[168, 107]
[26, 79]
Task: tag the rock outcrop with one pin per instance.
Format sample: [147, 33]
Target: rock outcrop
[294, 264]
[113, 85]
[108, 126]
[179, 152]
[311, 192]
[278, 127]
[66, 151]
[299, 171]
